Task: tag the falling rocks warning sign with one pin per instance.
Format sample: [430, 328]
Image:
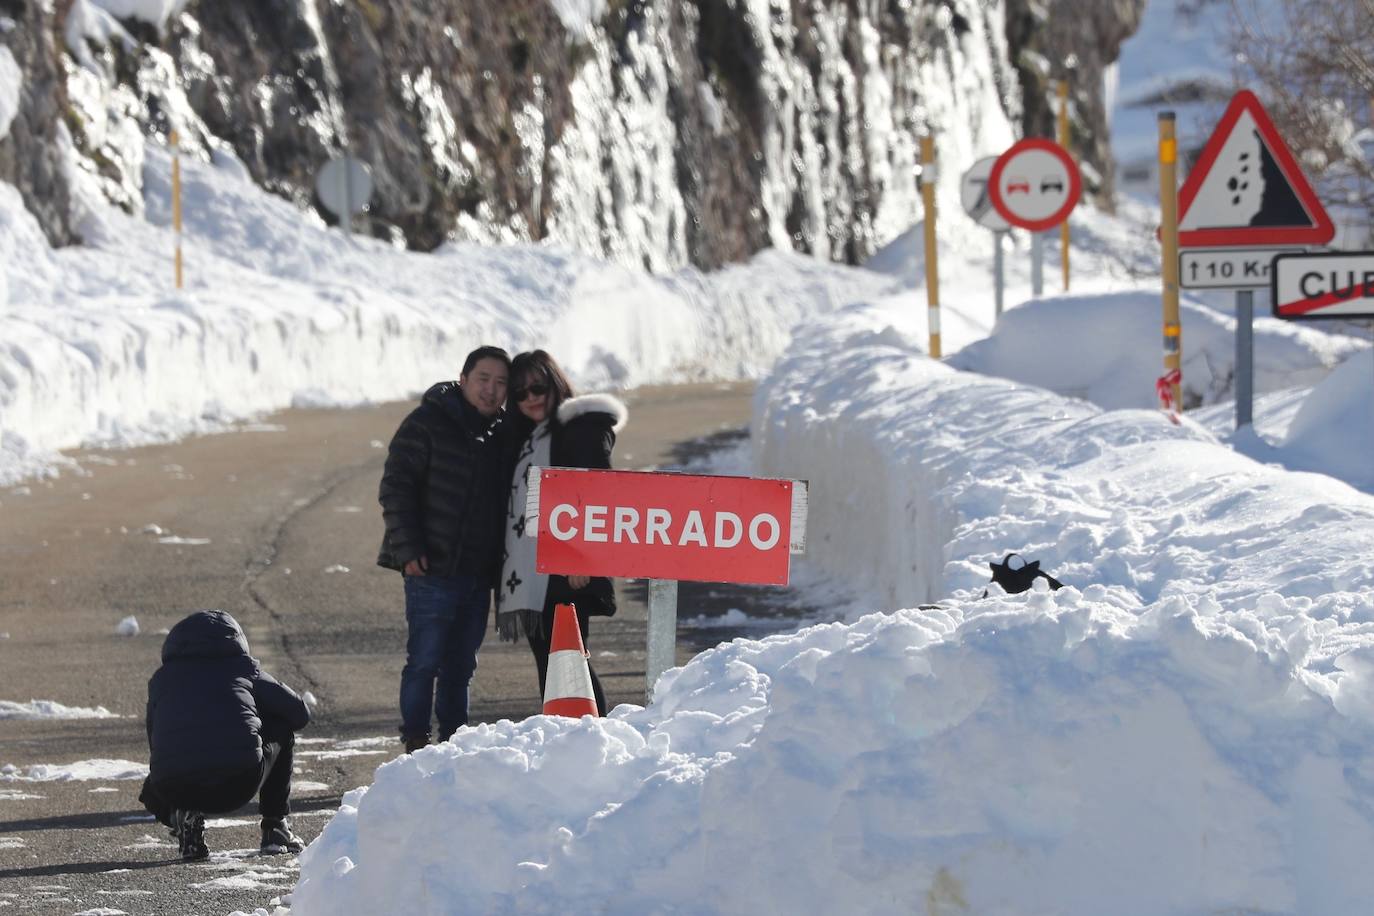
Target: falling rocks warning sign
[1246, 189]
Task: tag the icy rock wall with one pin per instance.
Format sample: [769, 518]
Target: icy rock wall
[30, 151]
[1077, 41]
[651, 132]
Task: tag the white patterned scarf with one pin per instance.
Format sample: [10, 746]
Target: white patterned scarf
[520, 598]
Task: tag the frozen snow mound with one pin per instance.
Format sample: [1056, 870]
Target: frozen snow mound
[95, 345]
[1333, 428]
[1039, 754]
[1105, 349]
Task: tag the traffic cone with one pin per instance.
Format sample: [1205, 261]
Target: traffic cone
[568, 685]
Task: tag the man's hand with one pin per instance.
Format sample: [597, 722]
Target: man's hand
[417, 567]
[577, 583]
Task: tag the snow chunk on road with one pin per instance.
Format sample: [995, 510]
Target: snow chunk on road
[80, 771]
[47, 709]
[127, 627]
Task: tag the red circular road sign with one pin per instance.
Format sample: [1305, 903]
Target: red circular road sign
[1035, 184]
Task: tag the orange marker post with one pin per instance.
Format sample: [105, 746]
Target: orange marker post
[1168, 234]
[928, 176]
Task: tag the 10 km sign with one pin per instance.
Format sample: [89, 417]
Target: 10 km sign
[637, 524]
[1225, 268]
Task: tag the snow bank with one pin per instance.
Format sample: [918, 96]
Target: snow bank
[1332, 430]
[960, 469]
[95, 347]
[1027, 755]
[1105, 349]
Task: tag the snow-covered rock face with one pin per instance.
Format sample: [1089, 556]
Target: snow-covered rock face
[33, 112]
[657, 134]
[653, 134]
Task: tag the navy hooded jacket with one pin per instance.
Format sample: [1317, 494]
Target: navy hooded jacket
[207, 702]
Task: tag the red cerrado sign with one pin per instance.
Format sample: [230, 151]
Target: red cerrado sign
[652, 525]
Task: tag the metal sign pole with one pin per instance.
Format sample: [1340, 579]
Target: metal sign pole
[661, 653]
[1245, 357]
[998, 282]
[1037, 264]
[348, 195]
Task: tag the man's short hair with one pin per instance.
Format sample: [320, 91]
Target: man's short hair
[482, 353]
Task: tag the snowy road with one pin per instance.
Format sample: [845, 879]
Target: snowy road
[277, 523]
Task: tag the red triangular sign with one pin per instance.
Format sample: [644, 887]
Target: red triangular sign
[1246, 189]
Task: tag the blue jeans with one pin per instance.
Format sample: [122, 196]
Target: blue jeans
[446, 617]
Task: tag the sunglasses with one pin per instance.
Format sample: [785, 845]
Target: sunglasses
[537, 390]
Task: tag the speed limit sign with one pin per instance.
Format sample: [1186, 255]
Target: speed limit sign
[1035, 184]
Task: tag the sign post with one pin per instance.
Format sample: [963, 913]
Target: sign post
[1063, 93]
[1035, 185]
[1244, 201]
[973, 194]
[665, 527]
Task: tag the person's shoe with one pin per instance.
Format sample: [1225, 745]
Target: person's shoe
[414, 742]
[277, 838]
[190, 833]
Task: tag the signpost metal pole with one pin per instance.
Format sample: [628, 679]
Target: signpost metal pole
[998, 283]
[1064, 142]
[1168, 233]
[1245, 357]
[1037, 264]
[932, 268]
[348, 196]
[661, 651]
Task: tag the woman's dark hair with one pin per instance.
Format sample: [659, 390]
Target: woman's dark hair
[482, 353]
[537, 366]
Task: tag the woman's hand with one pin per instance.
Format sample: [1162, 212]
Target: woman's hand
[577, 583]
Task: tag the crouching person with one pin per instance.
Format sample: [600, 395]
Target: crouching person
[220, 730]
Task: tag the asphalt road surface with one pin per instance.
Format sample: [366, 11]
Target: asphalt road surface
[278, 524]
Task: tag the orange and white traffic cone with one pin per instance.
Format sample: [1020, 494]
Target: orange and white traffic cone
[568, 685]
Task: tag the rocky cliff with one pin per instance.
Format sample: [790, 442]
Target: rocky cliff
[653, 132]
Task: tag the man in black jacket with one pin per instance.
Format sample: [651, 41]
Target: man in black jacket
[220, 730]
[442, 501]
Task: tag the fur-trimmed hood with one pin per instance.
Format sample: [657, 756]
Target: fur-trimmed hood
[595, 403]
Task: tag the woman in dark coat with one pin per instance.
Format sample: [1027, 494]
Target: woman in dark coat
[547, 426]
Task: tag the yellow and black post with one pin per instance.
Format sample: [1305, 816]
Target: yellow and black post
[928, 177]
[1168, 236]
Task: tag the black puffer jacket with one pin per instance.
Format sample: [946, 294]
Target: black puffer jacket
[582, 435]
[207, 702]
[441, 490]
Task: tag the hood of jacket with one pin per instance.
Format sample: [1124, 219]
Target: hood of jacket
[448, 398]
[205, 634]
[586, 404]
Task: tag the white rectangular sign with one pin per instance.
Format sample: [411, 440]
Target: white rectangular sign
[1336, 284]
[1225, 268]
